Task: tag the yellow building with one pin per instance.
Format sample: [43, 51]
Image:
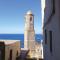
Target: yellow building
[9, 49]
[29, 33]
[37, 51]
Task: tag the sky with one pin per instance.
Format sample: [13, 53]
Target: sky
[12, 14]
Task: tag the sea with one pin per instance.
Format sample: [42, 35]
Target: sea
[38, 37]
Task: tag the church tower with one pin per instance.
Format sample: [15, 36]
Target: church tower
[29, 33]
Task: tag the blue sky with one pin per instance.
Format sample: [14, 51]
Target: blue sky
[12, 14]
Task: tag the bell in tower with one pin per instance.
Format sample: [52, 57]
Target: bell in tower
[29, 33]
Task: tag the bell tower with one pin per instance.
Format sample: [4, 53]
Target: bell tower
[29, 33]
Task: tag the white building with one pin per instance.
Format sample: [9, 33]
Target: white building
[52, 30]
[29, 33]
[9, 49]
[42, 10]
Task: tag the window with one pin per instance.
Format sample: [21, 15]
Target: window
[53, 6]
[17, 53]
[30, 18]
[50, 33]
[45, 37]
[0, 55]
[10, 55]
[17, 56]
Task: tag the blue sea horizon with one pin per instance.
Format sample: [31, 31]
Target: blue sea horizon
[38, 37]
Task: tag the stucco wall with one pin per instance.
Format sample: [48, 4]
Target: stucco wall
[54, 26]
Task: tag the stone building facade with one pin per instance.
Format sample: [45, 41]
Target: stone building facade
[9, 49]
[29, 33]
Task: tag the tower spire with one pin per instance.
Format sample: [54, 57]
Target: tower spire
[29, 12]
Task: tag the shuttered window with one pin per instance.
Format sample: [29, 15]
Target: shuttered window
[50, 33]
[45, 37]
[53, 3]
